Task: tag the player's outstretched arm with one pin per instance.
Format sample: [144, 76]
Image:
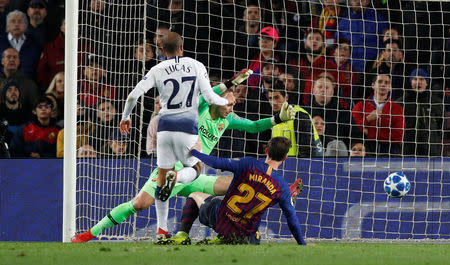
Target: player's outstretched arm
[216, 162]
[292, 220]
[142, 87]
[287, 113]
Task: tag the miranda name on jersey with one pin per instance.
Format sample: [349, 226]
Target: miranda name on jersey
[177, 67]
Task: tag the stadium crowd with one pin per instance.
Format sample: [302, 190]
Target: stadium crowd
[366, 77]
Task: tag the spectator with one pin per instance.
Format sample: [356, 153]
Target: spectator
[358, 150]
[268, 39]
[335, 112]
[313, 63]
[52, 58]
[290, 81]
[56, 88]
[328, 20]
[5, 8]
[424, 113]
[106, 120]
[392, 60]
[29, 50]
[380, 119]
[145, 55]
[93, 87]
[84, 129]
[391, 34]
[11, 72]
[86, 151]
[362, 26]
[117, 145]
[270, 72]
[38, 137]
[153, 128]
[350, 79]
[301, 131]
[12, 108]
[37, 29]
[161, 31]
[246, 44]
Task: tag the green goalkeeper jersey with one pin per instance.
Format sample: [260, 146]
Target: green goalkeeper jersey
[210, 130]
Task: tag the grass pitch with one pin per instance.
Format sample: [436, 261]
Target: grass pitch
[146, 253]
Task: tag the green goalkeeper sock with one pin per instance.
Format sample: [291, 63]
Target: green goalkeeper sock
[116, 216]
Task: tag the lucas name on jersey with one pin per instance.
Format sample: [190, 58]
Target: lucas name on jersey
[176, 68]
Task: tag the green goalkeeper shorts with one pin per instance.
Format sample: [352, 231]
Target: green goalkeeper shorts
[203, 183]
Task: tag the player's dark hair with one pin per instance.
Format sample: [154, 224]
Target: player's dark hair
[278, 147]
[172, 42]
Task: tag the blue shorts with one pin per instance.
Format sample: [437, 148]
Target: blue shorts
[207, 214]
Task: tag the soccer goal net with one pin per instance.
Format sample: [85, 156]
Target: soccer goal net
[369, 78]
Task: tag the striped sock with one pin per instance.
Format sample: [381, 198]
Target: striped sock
[189, 214]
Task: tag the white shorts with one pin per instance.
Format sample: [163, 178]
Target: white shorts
[175, 146]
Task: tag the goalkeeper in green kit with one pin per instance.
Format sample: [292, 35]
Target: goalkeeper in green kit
[213, 121]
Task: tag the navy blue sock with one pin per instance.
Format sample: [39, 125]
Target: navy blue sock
[157, 190]
[189, 214]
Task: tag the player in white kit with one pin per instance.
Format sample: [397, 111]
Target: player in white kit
[179, 81]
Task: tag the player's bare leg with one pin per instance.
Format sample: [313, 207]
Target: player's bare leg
[222, 184]
[116, 216]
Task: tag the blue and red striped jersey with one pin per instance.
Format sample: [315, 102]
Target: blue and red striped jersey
[255, 187]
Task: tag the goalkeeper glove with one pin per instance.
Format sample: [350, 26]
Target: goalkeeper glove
[287, 113]
[238, 78]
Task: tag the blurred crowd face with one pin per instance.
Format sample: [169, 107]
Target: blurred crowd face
[106, 111]
[419, 84]
[240, 93]
[276, 100]
[288, 81]
[157, 105]
[382, 86]
[12, 95]
[59, 86]
[63, 26]
[94, 72]
[323, 90]
[342, 53]
[54, 110]
[157, 40]
[43, 111]
[86, 151]
[118, 147]
[16, 26]
[390, 34]
[175, 6]
[392, 53]
[97, 5]
[144, 52]
[270, 72]
[10, 60]
[266, 44]
[3, 4]
[359, 5]
[314, 43]
[37, 14]
[252, 16]
[358, 150]
[331, 3]
[319, 123]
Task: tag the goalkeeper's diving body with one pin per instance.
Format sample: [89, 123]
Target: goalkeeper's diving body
[213, 121]
[256, 186]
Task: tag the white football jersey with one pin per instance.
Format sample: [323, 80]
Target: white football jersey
[179, 81]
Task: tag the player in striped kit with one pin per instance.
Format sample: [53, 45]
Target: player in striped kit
[256, 186]
[179, 81]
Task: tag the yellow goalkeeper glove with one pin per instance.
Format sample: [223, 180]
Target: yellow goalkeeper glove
[286, 113]
[238, 78]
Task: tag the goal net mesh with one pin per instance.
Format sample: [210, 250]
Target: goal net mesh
[343, 195]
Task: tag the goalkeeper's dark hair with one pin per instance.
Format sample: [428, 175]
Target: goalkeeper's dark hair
[278, 148]
[172, 42]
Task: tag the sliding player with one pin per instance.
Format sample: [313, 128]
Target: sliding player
[256, 186]
[218, 120]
